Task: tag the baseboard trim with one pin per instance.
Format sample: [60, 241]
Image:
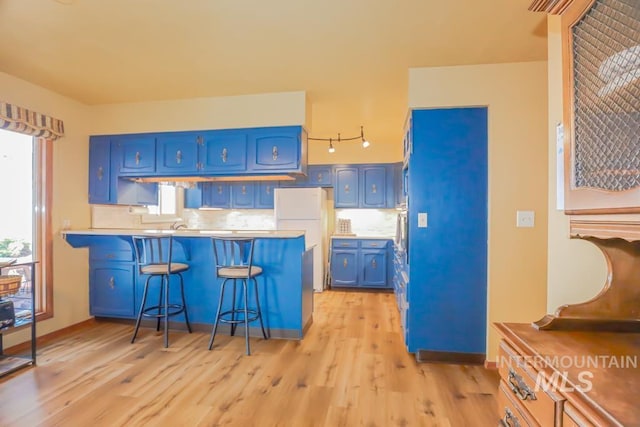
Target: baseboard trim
[450, 357]
[492, 366]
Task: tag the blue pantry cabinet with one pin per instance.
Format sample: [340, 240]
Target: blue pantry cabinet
[446, 291]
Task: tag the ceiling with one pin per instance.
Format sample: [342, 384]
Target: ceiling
[350, 56]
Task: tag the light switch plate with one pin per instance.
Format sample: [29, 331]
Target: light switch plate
[422, 219]
[525, 218]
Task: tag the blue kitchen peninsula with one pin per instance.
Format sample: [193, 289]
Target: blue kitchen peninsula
[286, 285]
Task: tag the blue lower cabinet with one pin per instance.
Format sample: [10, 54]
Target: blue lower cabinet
[111, 289]
[374, 268]
[344, 267]
[363, 263]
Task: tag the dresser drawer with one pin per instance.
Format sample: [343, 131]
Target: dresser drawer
[511, 411]
[373, 244]
[520, 381]
[344, 243]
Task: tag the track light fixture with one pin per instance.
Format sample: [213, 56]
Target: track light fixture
[365, 143]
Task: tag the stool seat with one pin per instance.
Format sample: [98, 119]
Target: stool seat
[234, 262]
[154, 258]
[175, 267]
[239, 272]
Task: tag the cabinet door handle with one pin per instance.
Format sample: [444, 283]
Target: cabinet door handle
[244, 189]
[374, 189]
[519, 387]
[178, 157]
[219, 189]
[268, 189]
[100, 173]
[509, 420]
[347, 188]
[223, 156]
[137, 157]
[374, 264]
[112, 282]
[319, 178]
[199, 140]
[345, 263]
[274, 152]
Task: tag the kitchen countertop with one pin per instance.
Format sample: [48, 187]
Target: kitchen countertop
[341, 236]
[263, 234]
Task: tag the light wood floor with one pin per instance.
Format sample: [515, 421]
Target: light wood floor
[351, 369]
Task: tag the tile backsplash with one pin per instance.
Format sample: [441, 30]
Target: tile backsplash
[364, 222]
[370, 222]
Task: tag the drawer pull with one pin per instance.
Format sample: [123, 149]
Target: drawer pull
[509, 420]
[519, 387]
[344, 244]
[373, 244]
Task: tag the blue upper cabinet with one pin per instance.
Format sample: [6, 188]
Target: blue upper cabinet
[320, 175]
[264, 194]
[135, 154]
[242, 195]
[100, 170]
[216, 195]
[177, 154]
[373, 193]
[276, 149]
[346, 189]
[222, 151]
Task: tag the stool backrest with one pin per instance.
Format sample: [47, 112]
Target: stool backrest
[233, 252]
[153, 250]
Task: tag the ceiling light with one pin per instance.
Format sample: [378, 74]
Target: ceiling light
[365, 142]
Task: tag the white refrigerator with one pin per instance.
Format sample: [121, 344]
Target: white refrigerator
[305, 209]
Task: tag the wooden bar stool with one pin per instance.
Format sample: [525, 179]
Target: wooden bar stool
[234, 261]
[154, 259]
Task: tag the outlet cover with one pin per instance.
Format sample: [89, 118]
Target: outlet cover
[422, 220]
[525, 218]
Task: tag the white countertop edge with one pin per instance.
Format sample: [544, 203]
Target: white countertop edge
[266, 234]
[338, 236]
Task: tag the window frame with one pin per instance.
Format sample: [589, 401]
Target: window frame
[42, 225]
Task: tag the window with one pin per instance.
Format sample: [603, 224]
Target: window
[169, 207]
[25, 226]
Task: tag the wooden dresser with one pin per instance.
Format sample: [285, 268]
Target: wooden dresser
[568, 378]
